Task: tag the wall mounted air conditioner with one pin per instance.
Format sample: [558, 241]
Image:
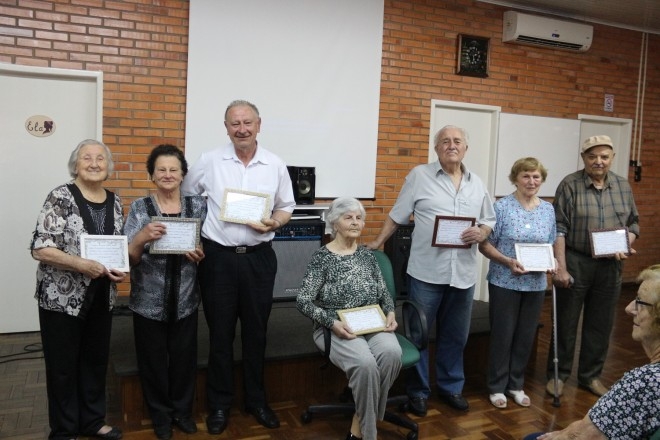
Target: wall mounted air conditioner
[547, 32]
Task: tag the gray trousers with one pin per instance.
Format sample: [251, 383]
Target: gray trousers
[595, 294]
[372, 363]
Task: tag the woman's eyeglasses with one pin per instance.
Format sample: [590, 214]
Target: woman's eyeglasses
[639, 302]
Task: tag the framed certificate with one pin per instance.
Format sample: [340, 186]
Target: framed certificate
[608, 242]
[181, 235]
[447, 231]
[109, 250]
[240, 206]
[535, 257]
[363, 320]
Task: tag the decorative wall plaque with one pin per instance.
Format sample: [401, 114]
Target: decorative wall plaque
[472, 56]
[40, 125]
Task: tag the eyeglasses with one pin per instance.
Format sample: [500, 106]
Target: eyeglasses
[639, 302]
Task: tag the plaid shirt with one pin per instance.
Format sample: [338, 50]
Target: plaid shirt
[580, 208]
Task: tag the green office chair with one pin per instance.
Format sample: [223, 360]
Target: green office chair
[656, 436]
[412, 313]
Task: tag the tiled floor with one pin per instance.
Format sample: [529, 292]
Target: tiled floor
[23, 409]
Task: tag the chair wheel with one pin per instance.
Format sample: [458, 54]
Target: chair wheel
[306, 417]
[412, 435]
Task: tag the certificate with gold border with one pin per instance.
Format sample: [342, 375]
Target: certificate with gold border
[181, 235]
[239, 206]
[447, 231]
[609, 242]
[364, 320]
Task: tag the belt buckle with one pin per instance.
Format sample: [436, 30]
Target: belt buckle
[241, 249]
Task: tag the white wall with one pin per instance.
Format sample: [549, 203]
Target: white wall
[312, 67]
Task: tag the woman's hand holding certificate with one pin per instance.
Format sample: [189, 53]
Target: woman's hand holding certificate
[181, 235]
[363, 320]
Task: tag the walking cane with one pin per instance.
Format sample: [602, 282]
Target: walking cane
[555, 401]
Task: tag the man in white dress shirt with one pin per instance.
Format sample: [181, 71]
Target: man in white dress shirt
[238, 273]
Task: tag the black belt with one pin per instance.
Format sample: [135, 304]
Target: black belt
[238, 249]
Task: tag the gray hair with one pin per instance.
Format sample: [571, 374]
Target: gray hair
[73, 159]
[341, 206]
[464, 133]
[240, 103]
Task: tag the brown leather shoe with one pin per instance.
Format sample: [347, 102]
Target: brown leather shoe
[596, 387]
[550, 387]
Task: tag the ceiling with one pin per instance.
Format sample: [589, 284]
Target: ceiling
[641, 15]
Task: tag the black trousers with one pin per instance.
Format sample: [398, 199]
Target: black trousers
[236, 286]
[167, 360]
[76, 355]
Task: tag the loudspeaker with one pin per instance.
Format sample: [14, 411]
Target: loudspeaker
[294, 244]
[304, 184]
[397, 247]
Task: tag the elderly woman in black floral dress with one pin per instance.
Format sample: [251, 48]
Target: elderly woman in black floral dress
[343, 275]
[76, 295]
[165, 296]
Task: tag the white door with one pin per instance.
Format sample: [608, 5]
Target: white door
[481, 123]
[31, 166]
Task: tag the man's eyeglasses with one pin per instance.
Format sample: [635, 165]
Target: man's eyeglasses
[639, 302]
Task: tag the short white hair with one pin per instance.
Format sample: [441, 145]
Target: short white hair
[341, 206]
[73, 159]
[464, 133]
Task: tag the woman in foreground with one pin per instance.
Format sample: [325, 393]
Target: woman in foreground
[630, 410]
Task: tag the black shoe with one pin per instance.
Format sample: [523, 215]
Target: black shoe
[216, 422]
[113, 434]
[265, 416]
[185, 424]
[350, 436]
[163, 432]
[456, 401]
[417, 406]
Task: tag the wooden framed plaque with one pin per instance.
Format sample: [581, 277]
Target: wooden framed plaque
[240, 206]
[364, 320]
[609, 242]
[472, 58]
[447, 231]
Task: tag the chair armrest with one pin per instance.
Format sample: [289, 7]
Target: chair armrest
[412, 313]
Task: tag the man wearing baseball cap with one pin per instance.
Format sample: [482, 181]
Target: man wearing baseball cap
[589, 199]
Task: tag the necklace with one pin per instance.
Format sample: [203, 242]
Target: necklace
[174, 209]
[529, 205]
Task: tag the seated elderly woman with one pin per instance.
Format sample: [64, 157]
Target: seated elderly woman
[343, 275]
[631, 408]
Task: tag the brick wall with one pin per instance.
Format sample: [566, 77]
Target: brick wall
[141, 46]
